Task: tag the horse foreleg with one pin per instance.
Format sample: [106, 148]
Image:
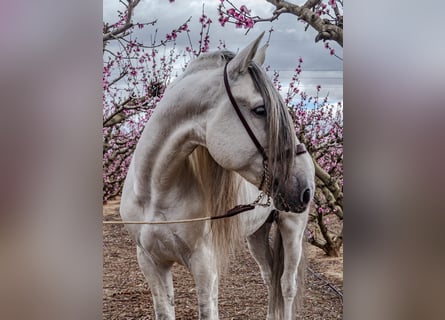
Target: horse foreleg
[205, 273]
[160, 281]
[291, 227]
[259, 247]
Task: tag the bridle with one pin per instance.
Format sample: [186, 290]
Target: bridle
[266, 178]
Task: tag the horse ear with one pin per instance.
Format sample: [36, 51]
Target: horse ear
[260, 55]
[239, 64]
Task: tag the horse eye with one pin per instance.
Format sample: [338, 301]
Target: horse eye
[260, 111]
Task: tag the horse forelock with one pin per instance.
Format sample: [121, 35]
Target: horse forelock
[281, 134]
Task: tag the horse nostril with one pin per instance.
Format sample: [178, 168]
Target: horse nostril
[305, 196]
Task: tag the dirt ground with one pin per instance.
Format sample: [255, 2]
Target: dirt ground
[242, 294]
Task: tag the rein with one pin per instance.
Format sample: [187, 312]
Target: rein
[232, 212]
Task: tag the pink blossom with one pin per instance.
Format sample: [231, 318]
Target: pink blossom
[223, 20]
[202, 19]
[249, 23]
[244, 9]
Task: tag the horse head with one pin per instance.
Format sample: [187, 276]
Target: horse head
[270, 155]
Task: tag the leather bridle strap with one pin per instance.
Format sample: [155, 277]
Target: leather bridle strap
[240, 115]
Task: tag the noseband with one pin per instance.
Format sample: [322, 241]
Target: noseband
[266, 180]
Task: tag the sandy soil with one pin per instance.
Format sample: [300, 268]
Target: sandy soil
[242, 293]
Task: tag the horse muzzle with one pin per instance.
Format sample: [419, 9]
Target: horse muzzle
[296, 201]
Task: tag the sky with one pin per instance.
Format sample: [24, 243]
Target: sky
[288, 42]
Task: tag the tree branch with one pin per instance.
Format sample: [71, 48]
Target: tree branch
[326, 30]
[123, 73]
[117, 116]
[127, 25]
[331, 248]
[329, 182]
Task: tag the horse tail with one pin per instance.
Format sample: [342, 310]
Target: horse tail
[276, 298]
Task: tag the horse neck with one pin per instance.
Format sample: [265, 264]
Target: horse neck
[175, 129]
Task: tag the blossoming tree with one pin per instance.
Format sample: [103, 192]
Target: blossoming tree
[326, 17]
[136, 73]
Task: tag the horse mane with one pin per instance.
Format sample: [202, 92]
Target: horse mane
[220, 188]
[281, 132]
[209, 60]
